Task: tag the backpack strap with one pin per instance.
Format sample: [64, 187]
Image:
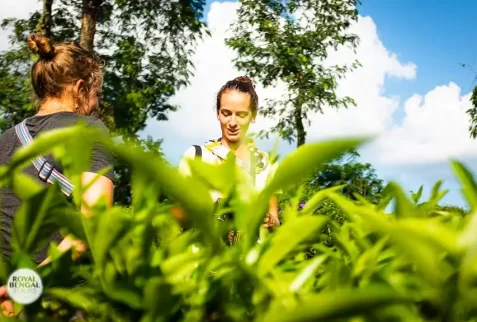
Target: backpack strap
[198, 152]
[46, 172]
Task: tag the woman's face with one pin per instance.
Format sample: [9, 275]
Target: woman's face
[234, 115]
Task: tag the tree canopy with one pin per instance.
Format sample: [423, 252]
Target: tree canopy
[146, 54]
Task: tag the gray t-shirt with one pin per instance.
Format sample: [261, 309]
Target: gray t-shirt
[9, 143]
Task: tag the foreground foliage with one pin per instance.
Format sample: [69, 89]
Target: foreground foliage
[416, 263]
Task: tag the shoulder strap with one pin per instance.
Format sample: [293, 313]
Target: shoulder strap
[46, 172]
[198, 151]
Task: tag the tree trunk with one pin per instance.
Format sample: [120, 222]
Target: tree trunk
[46, 20]
[300, 129]
[88, 23]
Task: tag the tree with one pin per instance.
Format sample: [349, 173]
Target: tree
[288, 41]
[146, 46]
[146, 52]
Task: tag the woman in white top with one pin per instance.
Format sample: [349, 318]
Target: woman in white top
[237, 104]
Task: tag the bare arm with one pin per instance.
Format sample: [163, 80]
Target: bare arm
[102, 187]
[272, 216]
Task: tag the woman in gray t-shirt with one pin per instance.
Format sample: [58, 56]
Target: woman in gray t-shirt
[67, 81]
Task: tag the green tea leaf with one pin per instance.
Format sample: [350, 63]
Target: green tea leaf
[307, 273]
[33, 224]
[216, 177]
[287, 238]
[345, 303]
[111, 227]
[416, 196]
[468, 184]
[82, 298]
[22, 185]
[317, 198]
[403, 207]
[307, 159]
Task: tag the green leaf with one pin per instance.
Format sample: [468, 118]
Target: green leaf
[366, 263]
[216, 177]
[306, 160]
[125, 295]
[287, 238]
[159, 299]
[307, 273]
[416, 196]
[317, 198]
[111, 227]
[403, 207]
[344, 303]
[22, 185]
[468, 184]
[33, 224]
[82, 297]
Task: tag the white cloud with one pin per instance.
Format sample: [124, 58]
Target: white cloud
[373, 113]
[435, 128]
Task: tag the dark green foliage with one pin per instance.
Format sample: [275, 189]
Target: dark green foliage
[146, 54]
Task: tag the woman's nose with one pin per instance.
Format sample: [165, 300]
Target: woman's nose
[233, 122]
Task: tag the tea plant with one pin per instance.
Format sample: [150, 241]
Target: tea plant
[416, 263]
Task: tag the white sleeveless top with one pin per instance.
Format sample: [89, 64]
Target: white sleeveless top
[215, 153]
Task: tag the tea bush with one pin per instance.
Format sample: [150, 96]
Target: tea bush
[415, 263]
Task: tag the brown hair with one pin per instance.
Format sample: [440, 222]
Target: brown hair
[242, 84]
[60, 65]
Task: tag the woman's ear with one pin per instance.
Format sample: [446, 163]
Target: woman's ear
[77, 88]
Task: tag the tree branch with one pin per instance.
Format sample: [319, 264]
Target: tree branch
[46, 21]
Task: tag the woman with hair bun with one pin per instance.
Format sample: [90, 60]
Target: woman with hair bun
[236, 108]
[67, 81]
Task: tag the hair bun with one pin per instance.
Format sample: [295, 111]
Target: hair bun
[244, 79]
[41, 46]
